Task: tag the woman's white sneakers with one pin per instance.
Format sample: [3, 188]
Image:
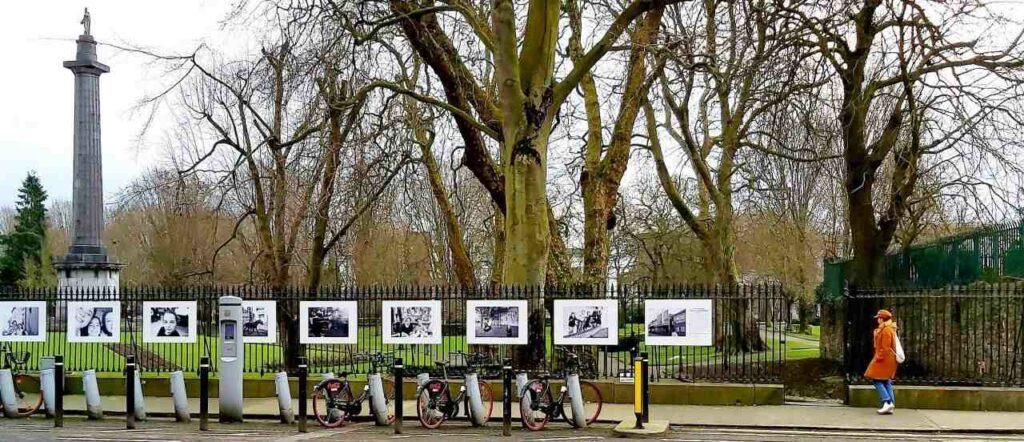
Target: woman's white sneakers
[888, 408]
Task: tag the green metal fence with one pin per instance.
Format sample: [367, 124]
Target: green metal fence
[990, 254]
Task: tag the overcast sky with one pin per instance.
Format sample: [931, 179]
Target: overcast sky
[36, 92]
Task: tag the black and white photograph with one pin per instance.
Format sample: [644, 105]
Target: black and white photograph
[586, 322]
[496, 322]
[677, 321]
[412, 322]
[259, 322]
[327, 322]
[169, 321]
[94, 321]
[23, 321]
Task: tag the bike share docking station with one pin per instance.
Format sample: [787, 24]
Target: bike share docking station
[232, 357]
[641, 425]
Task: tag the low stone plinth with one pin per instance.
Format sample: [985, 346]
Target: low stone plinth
[627, 428]
[943, 398]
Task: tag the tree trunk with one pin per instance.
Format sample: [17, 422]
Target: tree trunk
[460, 258]
[498, 258]
[739, 332]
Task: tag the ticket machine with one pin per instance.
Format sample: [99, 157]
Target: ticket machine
[232, 356]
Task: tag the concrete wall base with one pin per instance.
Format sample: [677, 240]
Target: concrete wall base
[943, 398]
[674, 393]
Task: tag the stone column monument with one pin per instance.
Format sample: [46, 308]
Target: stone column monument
[87, 264]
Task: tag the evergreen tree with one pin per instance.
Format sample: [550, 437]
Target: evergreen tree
[24, 246]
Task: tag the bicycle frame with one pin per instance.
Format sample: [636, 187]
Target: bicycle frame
[451, 408]
[441, 398]
[554, 409]
[536, 391]
[336, 399]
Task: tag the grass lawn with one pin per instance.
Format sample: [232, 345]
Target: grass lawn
[262, 358]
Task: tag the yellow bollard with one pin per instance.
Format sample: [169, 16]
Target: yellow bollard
[638, 392]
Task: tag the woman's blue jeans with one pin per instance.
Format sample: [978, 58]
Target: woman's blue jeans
[885, 390]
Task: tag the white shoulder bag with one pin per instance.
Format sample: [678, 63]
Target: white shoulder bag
[898, 348]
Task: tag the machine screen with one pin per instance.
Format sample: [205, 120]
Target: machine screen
[229, 331]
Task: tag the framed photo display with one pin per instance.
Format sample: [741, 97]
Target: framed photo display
[327, 322]
[94, 321]
[169, 321]
[411, 322]
[259, 322]
[23, 321]
[678, 322]
[500, 322]
[586, 322]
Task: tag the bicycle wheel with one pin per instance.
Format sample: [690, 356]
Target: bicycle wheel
[389, 398]
[327, 399]
[534, 405]
[487, 399]
[433, 399]
[592, 403]
[28, 404]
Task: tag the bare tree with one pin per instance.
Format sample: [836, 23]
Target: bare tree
[734, 64]
[911, 86]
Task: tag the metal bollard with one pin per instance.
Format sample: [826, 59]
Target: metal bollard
[204, 393]
[58, 389]
[399, 394]
[129, 392]
[647, 387]
[638, 392]
[303, 388]
[506, 400]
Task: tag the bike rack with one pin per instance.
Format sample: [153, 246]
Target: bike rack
[180, 397]
[7, 393]
[476, 405]
[579, 415]
[93, 406]
[284, 398]
[378, 400]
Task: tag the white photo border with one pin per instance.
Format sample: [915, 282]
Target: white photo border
[471, 319]
[435, 319]
[149, 335]
[691, 339]
[353, 322]
[115, 334]
[611, 307]
[41, 308]
[271, 337]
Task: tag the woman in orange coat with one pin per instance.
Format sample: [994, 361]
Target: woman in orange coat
[882, 369]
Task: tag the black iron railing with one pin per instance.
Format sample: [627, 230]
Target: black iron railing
[760, 310]
[964, 335]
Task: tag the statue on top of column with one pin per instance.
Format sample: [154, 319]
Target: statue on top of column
[87, 22]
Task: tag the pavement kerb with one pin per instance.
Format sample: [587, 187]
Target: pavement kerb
[497, 420]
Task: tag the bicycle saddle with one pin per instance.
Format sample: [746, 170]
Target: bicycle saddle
[441, 363]
[343, 374]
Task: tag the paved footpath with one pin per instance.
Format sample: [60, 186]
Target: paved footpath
[77, 429]
[808, 417]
